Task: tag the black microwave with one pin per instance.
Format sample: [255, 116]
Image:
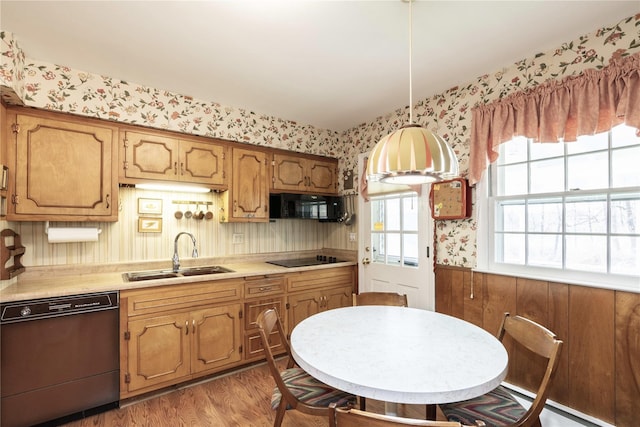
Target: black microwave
[305, 206]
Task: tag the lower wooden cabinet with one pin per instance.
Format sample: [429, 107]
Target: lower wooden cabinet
[313, 291]
[172, 334]
[163, 342]
[262, 293]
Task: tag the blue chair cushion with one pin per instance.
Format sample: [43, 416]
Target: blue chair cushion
[310, 391]
[496, 408]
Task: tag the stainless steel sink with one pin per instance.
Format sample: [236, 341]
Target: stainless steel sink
[138, 276]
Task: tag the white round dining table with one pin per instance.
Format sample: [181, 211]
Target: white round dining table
[399, 354]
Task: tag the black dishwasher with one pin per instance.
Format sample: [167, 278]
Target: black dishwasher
[59, 358]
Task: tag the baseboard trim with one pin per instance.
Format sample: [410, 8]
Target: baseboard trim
[565, 411]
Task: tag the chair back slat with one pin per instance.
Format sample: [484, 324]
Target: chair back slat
[543, 342]
[380, 298]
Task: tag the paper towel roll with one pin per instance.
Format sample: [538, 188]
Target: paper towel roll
[73, 234]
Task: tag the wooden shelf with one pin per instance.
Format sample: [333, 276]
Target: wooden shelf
[12, 253]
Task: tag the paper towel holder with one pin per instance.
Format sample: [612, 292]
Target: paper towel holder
[46, 228]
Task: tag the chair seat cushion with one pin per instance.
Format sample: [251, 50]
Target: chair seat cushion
[496, 408]
[310, 391]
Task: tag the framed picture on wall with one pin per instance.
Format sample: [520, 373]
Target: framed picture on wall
[149, 206]
[149, 225]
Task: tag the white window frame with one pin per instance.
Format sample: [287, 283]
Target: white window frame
[402, 232]
[485, 206]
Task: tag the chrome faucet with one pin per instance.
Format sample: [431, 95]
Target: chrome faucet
[175, 259]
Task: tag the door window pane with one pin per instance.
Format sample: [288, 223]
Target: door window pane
[394, 238]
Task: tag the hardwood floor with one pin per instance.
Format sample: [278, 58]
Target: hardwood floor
[240, 399]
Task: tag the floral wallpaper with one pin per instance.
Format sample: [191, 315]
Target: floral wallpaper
[61, 88]
[449, 114]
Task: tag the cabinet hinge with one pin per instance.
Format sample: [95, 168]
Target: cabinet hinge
[125, 142]
[287, 306]
[240, 349]
[125, 164]
[127, 335]
[127, 378]
[273, 162]
[14, 199]
[15, 128]
[240, 314]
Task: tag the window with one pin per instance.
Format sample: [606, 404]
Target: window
[394, 229]
[567, 211]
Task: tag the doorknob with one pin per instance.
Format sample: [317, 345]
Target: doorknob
[366, 261]
[367, 249]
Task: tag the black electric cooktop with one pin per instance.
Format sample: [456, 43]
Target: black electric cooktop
[304, 262]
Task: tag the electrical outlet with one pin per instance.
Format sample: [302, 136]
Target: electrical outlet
[238, 238]
[352, 237]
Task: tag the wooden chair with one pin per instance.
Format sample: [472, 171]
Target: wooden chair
[498, 407]
[380, 298]
[349, 417]
[295, 389]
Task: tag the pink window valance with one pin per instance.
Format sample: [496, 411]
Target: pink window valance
[558, 110]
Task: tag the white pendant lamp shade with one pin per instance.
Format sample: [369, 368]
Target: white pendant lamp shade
[412, 155]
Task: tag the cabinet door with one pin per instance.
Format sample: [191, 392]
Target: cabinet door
[322, 177]
[216, 337]
[338, 297]
[252, 342]
[289, 173]
[202, 163]
[300, 174]
[248, 197]
[64, 169]
[302, 306]
[150, 156]
[158, 350]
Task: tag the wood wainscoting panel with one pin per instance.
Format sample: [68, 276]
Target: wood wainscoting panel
[499, 296]
[627, 358]
[592, 351]
[443, 291]
[532, 301]
[559, 324]
[473, 298]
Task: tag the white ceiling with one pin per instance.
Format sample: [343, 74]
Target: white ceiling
[330, 64]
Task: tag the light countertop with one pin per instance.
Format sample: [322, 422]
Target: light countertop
[52, 281]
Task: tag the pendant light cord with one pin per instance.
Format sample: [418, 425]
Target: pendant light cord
[410, 61]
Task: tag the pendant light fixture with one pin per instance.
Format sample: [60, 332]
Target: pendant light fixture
[411, 154]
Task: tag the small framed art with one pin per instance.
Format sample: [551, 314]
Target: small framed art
[149, 206]
[149, 225]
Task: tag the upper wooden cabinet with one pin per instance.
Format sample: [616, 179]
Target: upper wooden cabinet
[248, 197]
[61, 167]
[163, 157]
[303, 174]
